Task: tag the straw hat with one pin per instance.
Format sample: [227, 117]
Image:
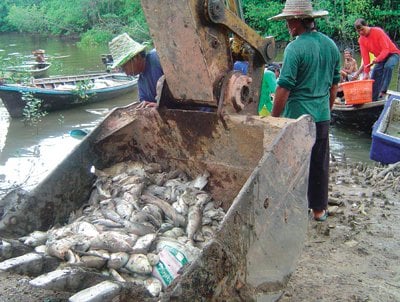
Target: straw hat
[123, 48]
[299, 9]
[38, 51]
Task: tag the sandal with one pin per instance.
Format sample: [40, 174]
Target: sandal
[323, 217]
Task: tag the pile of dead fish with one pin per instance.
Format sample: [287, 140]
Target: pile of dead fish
[384, 177]
[140, 225]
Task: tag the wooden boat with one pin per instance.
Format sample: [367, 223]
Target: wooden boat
[359, 116]
[32, 69]
[58, 93]
[385, 147]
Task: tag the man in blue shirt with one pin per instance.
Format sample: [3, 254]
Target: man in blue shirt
[133, 59]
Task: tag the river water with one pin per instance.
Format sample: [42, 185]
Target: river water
[28, 154]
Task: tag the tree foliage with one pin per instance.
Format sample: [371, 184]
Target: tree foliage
[96, 21]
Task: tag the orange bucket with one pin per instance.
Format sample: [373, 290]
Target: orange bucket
[357, 92]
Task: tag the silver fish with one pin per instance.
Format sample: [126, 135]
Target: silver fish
[35, 238]
[112, 242]
[168, 210]
[200, 181]
[59, 248]
[112, 215]
[107, 223]
[84, 228]
[194, 221]
[92, 262]
[117, 275]
[154, 211]
[117, 260]
[143, 244]
[142, 217]
[153, 259]
[139, 229]
[123, 207]
[138, 263]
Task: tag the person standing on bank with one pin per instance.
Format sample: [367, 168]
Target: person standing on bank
[374, 40]
[307, 85]
[131, 56]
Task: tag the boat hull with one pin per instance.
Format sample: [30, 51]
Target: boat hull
[31, 69]
[54, 100]
[358, 116]
[385, 147]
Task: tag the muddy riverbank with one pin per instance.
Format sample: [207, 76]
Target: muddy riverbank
[353, 256]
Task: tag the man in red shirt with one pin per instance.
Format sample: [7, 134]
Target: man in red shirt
[374, 40]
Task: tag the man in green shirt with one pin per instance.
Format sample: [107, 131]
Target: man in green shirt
[307, 85]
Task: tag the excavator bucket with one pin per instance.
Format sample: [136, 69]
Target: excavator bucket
[258, 173]
[192, 39]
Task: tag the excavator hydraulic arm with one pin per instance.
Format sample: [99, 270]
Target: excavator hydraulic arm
[192, 38]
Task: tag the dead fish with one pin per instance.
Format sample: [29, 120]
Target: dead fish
[156, 190]
[107, 223]
[214, 214]
[202, 199]
[194, 221]
[158, 178]
[61, 232]
[92, 262]
[99, 253]
[117, 260]
[139, 229]
[128, 277]
[59, 248]
[154, 211]
[168, 210]
[112, 242]
[123, 207]
[102, 193]
[71, 257]
[35, 238]
[129, 180]
[174, 232]
[153, 259]
[180, 207]
[118, 177]
[84, 228]
[208, 232]
[116, 275]
[112, 215]
[41, 249]
[176, 183]
[200, 181]
[142, 217]
[143, 244]
[138, 263]
[166, 226]
[188, 197]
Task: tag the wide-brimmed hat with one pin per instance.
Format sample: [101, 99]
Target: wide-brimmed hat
[38, 51]
[123, 48]
[299, 9]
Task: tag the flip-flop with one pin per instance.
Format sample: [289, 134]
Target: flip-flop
[323, 217]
